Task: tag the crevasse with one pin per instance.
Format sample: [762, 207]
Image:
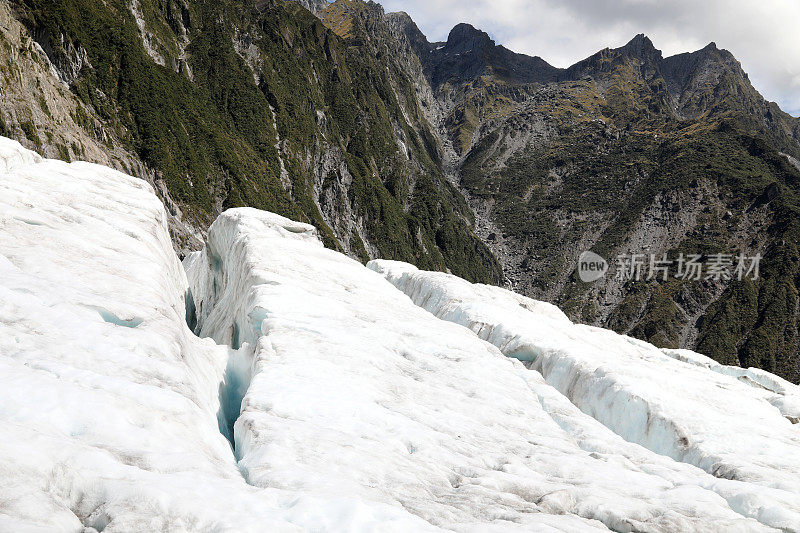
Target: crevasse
[108, 402]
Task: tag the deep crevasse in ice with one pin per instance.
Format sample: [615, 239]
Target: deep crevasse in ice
[108, 403]
[734, 423]
[351, 408]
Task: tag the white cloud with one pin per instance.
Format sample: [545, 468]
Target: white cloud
[763, 35]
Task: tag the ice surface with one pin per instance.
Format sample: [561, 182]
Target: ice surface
[785, 396]
[733, 423]
[349, 407]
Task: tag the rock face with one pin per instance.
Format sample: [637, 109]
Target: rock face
[330, 401]
[324, 128]
[315, 6]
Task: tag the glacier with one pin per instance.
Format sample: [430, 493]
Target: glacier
[271, 384]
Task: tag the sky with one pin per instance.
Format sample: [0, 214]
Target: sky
[764, 35]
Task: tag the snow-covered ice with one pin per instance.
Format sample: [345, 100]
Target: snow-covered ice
[736, 424]
[349, 407]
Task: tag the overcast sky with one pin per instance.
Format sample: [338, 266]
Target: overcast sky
[763, 34]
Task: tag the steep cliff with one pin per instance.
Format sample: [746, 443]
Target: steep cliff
[254, 104]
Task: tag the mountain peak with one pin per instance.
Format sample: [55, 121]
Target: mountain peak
[723, 54]
[470, 53]
[402, 16]
[641, 47]
[466, 37]
[640, 38]
[403, 24]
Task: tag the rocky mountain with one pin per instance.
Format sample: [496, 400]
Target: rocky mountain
[470, 53]
[460, 155]
[314, 6]
[624, 153]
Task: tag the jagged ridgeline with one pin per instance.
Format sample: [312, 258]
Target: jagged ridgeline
[258, 104]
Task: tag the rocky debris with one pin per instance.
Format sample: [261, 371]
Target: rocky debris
[792, 160]
[315, 6]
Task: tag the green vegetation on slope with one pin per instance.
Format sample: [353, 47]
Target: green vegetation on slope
[210, 131]
[188, 131]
